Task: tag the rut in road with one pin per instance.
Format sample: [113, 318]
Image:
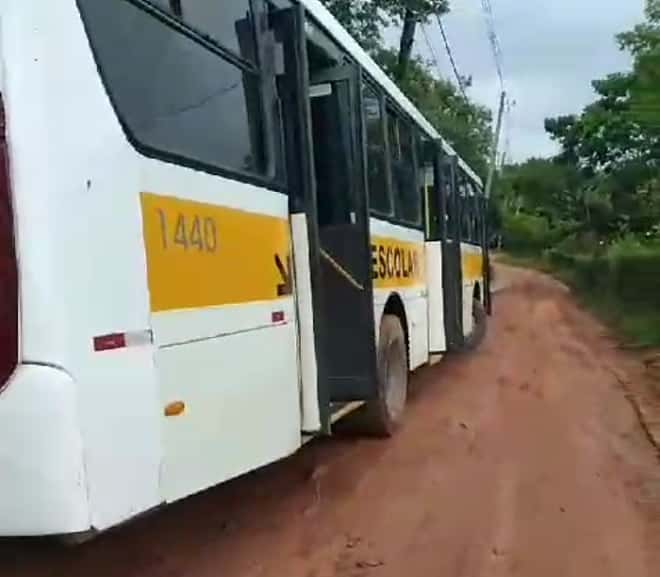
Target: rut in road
[524, 458]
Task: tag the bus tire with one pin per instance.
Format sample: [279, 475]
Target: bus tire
[479, 326]
[383, 415]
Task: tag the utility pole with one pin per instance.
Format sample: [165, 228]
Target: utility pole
[496, 141]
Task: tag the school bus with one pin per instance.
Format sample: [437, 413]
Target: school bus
[222, 228]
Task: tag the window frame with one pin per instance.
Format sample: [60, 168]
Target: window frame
[274, 177]
[465, 208]
[401, 115]
[256, 8]
[479, 214]
[373, 86]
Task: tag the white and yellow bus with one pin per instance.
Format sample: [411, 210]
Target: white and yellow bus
[222, 227]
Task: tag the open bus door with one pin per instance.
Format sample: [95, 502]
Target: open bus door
[327, 182]
[347, 313]
[485, 247]
[452, 272]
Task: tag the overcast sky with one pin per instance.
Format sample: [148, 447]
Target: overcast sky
[552, 49]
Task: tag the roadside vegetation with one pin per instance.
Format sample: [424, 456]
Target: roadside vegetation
[591, 215]
[467, 126]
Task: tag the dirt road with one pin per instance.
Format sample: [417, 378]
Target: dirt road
[525, 459]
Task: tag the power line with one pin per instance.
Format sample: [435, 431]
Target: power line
[508, 126]
[450, 54]
[434, 56]
[495, 46]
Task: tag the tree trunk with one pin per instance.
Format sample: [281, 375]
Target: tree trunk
[407, 41]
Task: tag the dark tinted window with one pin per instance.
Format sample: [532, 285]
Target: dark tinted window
[333, 154]
[173, 94]
[407, 198]
[479, 218]
[395, 154]
[172, 6]
[379, 197]
[466, 211]
[474, 216]
[425, 176]
[449, 200]
[228, 22]
[476, 228]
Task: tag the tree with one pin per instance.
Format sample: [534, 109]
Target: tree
[465, 125]
[410, 13]
[542, 187]
[644, 44]
[606, 135]
[615, 141]
[623, 125]
[364, 19]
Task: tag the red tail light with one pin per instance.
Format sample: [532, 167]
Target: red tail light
[8, 265]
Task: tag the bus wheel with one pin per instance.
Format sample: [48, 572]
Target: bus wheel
[479, 326]
[383, 414]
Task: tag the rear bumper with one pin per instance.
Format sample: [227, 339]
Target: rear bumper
[42, 480]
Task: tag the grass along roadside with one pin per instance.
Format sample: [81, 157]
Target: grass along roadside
[638, 324]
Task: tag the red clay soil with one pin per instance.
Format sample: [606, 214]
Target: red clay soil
[525, 458]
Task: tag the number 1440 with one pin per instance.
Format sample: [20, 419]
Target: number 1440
[188, 232]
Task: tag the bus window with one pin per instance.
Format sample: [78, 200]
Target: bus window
[333, 154]
[172, 6]
[411, 207]
[379, 197]
[228, 22]
[172, 92]
[476, 221]
[407, 201]
[428, 191]
[466, 219]
[395, 154]
[450, 205]
[463, 202]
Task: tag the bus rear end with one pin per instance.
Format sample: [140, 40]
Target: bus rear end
[8, 264]
[42, 486]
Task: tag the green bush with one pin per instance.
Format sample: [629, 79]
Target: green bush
[526, 233]
[621, 283]
[635, 272]
[593, 272]
[558, 258]
[579, 243]
[628, 269]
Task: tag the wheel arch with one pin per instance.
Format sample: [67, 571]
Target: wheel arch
[396, 306]
[477, 293]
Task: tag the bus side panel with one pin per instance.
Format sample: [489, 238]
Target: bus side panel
[399, 264]
[437, 334]
[311, 416]
[240, 414]
[81, 256]
[224, 323]
[416, 304]
[472, 265]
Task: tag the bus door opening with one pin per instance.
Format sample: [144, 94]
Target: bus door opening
[451, 255]
[347, 316]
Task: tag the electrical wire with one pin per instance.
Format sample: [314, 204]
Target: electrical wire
[493, 39]
[452, 60]
[434, 56]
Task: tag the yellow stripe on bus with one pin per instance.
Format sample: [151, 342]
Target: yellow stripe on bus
[396, 263]
[202, 255]
[473, 267]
